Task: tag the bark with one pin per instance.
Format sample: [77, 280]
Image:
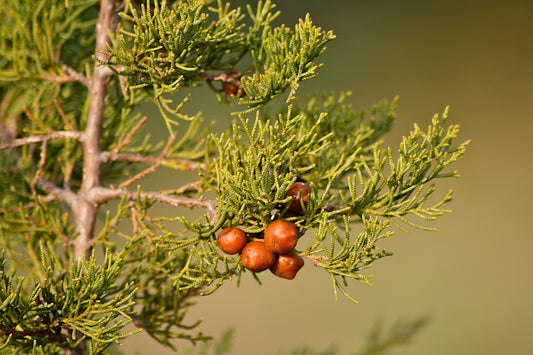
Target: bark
[85, 214]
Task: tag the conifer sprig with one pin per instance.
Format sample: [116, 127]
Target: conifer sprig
[381, 341]
[70, 306]
[36, 33]
[284, 59]
[423, 156]
[171, 46]
[258, 161]
[74, 152]
[168, 48]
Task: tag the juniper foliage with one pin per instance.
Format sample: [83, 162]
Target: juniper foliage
[73, 73]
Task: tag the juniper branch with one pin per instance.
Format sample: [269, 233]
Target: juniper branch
[325, 143]
[102, 194]
[184, 164]
[42, 138]
[54, 192]
[69, 75]
[86, 211]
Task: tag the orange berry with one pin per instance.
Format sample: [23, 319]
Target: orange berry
[287, 265]
[231, 240]
[300, 191]
[255, 257]
[281, 236]
[231, 84]
[233, 89]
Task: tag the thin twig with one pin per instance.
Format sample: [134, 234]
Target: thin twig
[152, 168]
[71, 76]
[63, 116]
[140, 175]
[37, 139]
[123, 81]
[102, 194]
[125, 140]
[314, 258]
[52, 230]
[161, 159]
[40, 168]
[188, 165]
[192, 186]
[76, 75]
[69, 168]
[53, 191]
[42, 199]
[134, 221]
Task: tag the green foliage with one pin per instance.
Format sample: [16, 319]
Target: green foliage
[172, 46]
[94, 247]
[352, 133]
[422, 158]
[258, 162]
[287, 59]
[69, 306]
[220, 346]
[381, 341]
[36, 33]
[159, 309]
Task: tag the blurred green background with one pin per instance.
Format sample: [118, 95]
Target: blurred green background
[473, 276]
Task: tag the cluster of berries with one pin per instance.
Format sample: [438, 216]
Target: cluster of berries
[276, 250]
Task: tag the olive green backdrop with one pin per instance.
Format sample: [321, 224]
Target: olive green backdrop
[474, 276]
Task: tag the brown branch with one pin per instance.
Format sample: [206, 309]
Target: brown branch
[53, 191]
[188, 165]
[314, 258]
[40, 168]
[140, 175]
[157, 161]
[192, 186]
[70, 75]
[125, 140]
[59, 109]
[85, 214]
[74, 75]
[134, 219]
[161, 159]
[37, 139]
[152, 168]
[102, 194]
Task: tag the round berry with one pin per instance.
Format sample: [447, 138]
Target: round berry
[300, 191]
[255, 257]
[231, 240]
[287, 265]
[233, 89]
[231, 84]
[281, 236]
